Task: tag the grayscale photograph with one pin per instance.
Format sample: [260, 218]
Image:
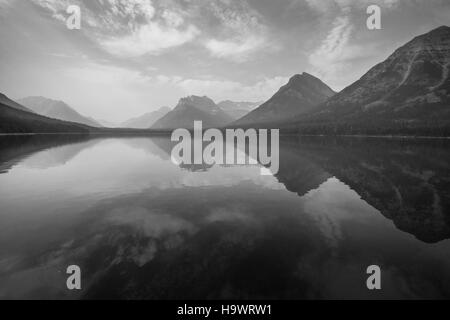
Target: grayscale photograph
[253, 151]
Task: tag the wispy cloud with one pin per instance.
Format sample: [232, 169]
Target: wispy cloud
[128, 28]
[328, 6]
[330, 57]
[152, 38]
[5, 3]
[150, 31]
[238, 49]
[338, 50]
[242, 32]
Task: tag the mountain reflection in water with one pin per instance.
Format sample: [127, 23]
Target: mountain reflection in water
[141, 227]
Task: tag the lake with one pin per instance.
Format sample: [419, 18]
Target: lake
[141, 227]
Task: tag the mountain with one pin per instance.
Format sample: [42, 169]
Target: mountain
[97, 122]
[107, 124]
[146, 120]
[192, 109]
[8, 102]
[237, 110]
[409, 90]
[300, 95]
[13, 120]
[57, 110]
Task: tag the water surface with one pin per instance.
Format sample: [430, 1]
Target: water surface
[141, 227]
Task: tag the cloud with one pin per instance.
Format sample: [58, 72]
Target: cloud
[152, 38]
[132, 28]
[327, 6]
[235, 49]
[152, 224]
[242, 32]
[4, 6]
[162, 29]
[5, 3]
[127, 28]
[337, 51]
[329, 58]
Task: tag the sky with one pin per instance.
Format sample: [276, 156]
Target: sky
[134, 56]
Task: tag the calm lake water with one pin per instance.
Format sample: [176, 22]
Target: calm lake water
[141, 227]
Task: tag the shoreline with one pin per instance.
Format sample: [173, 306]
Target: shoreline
[169, 133]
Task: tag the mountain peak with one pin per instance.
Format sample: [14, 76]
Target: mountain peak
[164, 108]
[194, 108]
[194, 98]
[308, 75]
[441, 29]
[436, 37]
[304, 84]
[410, 85]
[56, 109]
[302, 77]
[202, 103]
[301, 94]
[10, 103]
[300, 81]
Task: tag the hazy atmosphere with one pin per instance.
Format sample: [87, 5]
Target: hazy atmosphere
[132, 57]
[218, 150]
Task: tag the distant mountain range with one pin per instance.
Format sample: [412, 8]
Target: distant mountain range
[194, 108]
[237, 110]
[233, 109]
[107, 124]
[15, 119]
[56, 110]
[41, 113]
[300, 95]
[147, 120]
[10, 103]
[407, 93]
